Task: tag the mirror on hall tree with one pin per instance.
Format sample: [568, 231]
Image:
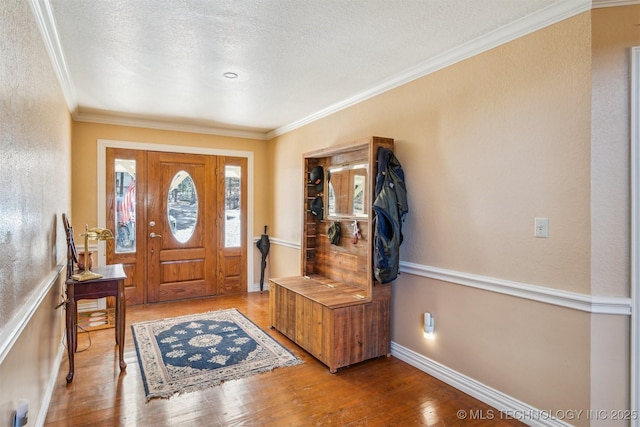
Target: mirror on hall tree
[347, 191]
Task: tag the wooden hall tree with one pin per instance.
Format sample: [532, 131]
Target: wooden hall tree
[335, 309]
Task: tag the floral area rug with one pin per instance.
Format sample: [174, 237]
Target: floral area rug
[197, 351]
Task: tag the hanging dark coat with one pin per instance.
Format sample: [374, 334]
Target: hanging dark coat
[390, 207]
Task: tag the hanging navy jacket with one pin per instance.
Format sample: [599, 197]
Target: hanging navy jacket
[390, 207]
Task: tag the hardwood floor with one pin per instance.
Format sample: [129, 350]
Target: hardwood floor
[379, 392]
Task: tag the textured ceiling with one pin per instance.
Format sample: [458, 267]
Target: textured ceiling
[161, 62]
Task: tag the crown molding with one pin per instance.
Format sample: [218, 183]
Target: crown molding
[167, 125]
[46, 24]
[541, 19]
[44, 19]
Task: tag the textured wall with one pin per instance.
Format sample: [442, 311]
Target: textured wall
[34, 165]
[35, 143]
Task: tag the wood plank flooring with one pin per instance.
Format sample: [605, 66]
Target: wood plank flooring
[379, 392]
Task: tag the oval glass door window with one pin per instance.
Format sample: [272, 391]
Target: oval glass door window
[182, 206]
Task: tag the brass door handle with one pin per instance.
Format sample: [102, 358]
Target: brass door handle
[154, 235]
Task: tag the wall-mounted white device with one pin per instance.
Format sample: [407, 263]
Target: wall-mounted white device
[21, 412]
[429, 328]
[541, 227]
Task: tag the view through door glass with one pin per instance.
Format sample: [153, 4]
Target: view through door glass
[182, 206]
[232, 206]
[233, 231]
[125, 216]
[125, 212]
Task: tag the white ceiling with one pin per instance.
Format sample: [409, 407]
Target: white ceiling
[160, 63]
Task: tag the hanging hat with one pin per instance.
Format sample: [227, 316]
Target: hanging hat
[334, 233]
[316, 177]
[317, 208]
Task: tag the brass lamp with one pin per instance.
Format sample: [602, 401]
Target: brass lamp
[91, 234]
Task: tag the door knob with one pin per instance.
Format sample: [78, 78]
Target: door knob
[154, 235]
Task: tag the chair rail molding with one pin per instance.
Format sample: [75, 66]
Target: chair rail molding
[285, 243]
[589, 303]
[12, 331]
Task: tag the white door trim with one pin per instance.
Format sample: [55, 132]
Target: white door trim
[103, 144]
[635, 234]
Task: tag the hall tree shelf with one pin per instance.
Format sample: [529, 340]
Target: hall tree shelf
[335, 309]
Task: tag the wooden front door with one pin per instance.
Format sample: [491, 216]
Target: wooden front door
[180, 223]
[181, 213]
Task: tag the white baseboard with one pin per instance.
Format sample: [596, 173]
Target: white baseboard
[255, 287]
[51, 384]
[506, 406]
[92, 305]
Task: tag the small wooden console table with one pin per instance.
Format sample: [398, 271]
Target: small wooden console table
[111, 284]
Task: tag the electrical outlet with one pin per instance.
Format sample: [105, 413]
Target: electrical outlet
[20, 414]
[541, 227]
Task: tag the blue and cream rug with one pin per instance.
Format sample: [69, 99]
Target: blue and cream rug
[197, 351]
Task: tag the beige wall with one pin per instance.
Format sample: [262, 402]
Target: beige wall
[487, 145]
[535, 352]
[35, 139]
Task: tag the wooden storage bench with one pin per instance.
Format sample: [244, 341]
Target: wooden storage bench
[331, 320]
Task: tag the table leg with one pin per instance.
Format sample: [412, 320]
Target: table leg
[71, 334]
[117, 328]
[120, 323]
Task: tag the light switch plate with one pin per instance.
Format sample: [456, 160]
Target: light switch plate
[541, 227]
